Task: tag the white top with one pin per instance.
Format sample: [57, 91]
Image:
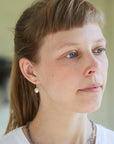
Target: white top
[103, 136]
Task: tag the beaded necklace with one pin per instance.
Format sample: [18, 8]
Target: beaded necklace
[91, 140]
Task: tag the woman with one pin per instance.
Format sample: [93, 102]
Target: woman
[59, 74]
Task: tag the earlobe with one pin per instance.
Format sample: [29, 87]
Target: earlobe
[27, 70]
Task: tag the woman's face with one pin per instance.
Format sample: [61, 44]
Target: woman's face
[73, 69]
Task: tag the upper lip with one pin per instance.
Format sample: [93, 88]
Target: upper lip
[95, 85]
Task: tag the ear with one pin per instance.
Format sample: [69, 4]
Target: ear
[27, 69]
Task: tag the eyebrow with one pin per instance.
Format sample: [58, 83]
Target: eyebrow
[68, 44]
[101, 40]
[77, 44]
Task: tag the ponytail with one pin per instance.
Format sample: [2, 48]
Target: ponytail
[24, 102]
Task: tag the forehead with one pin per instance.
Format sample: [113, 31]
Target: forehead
[90, 33]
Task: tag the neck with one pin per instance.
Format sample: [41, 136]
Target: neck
[58, 126]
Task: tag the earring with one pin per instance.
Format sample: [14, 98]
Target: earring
[36, 90]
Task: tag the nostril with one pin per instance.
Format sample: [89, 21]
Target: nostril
[90, 72]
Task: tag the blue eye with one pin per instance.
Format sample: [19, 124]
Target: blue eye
[99, 51]
[71, 55]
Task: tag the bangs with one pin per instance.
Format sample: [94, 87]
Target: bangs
[67, 14]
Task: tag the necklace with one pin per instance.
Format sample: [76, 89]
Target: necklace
[93, 132]
[91, 140]
[28, 133]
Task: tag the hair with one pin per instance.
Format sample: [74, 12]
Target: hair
[40, 19]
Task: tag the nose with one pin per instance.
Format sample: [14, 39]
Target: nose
[91, 65]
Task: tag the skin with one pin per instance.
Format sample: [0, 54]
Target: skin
[70, 61]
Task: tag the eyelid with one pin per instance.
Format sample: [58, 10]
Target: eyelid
[69, 52]
[64, 53]
[101, 47]
[75, 54]
[99, 53]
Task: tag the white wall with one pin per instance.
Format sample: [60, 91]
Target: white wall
[9, 13]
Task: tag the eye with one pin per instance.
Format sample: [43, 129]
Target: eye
[71, 55]
[99, 50]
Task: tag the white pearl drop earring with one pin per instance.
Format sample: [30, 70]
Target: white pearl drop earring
[36, 90]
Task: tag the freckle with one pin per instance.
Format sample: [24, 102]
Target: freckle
[52, 75]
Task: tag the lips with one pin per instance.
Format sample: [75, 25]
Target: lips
[92, 88]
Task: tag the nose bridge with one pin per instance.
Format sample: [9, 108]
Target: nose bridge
[92, 64]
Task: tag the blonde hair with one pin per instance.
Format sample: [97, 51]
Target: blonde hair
[41, 18]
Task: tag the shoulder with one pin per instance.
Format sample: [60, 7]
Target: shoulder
[105, 130]
[14, 137]
[105, 134]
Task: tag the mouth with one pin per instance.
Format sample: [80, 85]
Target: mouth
[92, 88]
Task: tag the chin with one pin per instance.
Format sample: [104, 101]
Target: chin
[94, 108]
[91, 103]
[88, 106]
[91, 108]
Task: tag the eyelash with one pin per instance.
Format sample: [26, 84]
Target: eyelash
[74, 54]
[102, 49]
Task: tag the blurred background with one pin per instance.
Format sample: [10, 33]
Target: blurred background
[10, 11]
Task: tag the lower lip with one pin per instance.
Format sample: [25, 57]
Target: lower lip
[95, 89]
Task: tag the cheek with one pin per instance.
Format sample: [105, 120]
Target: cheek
[49, 74]
[61, 75]
[104, 70]
[104, 66]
